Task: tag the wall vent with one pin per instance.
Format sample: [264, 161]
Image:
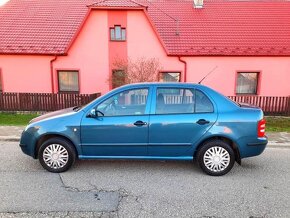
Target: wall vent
[198, 3]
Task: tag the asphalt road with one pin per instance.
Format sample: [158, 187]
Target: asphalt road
[258, 188]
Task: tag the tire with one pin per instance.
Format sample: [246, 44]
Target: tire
[56, 155]
[216, 157]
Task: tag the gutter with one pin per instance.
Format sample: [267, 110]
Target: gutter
[185, 67]
[51, 73]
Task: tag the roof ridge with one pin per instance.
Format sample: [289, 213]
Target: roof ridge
[128, 1]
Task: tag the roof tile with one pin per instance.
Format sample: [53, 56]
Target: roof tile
[221, 27]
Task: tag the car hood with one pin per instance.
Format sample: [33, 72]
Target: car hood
[54, 114]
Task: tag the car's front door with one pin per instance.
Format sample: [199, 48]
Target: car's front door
[120, 127]
[181, 117]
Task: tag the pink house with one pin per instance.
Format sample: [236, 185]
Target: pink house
[51, 46]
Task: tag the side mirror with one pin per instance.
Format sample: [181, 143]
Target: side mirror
[95, 113]
[92, 113]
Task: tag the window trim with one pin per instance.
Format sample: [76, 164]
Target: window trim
[58, 82]
[258, 84]
[114, 30]
[168, 71]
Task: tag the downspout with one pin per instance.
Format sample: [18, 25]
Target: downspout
[51, 73]
[185, 67]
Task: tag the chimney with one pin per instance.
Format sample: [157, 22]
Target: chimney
[198, 3]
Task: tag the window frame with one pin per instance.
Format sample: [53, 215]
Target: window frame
[161, 73]
[257, 81]
[194, 89]
[112, 32]
[146, 111]
[58, 80]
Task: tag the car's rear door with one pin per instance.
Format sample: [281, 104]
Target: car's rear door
[179, 118]
[121, 129]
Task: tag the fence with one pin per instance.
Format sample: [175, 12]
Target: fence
[271, 105]
[42, 101]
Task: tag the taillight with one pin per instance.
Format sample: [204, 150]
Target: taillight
[261, 128]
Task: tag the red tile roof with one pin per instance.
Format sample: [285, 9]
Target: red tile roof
[221, 27]
[40, 26]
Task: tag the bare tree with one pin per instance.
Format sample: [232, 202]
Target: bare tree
[133, 71]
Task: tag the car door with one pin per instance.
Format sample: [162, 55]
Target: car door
[179, 119]
[120, 127]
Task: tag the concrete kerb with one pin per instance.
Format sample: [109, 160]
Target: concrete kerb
[276, 139]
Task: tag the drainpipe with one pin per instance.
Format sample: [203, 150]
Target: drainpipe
[185, 67]
[51, 73]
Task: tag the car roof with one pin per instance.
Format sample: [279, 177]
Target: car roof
[164, 84]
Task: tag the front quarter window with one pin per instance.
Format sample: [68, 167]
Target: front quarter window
[126, 103]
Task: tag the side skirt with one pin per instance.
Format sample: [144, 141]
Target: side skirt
[188, 158]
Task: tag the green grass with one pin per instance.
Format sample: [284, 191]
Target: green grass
[14, 119]
[278, 124]
[274, 124]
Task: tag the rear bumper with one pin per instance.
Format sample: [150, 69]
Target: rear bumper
[253, 147]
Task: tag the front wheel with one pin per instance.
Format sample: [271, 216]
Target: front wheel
[56, 155]
[216, 158]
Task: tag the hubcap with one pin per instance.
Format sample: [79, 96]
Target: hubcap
[55, 156]
[216, 159]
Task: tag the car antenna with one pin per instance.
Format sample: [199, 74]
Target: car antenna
[207, 74]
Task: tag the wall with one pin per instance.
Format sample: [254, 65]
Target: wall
[143, 42]
[274, 75]
[25, 73]
[89, 54]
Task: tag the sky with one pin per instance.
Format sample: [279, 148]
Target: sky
[2, 2]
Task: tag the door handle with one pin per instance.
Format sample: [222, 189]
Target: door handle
[202, 122]
[140, 123]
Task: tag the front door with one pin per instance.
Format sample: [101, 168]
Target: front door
[121, 127]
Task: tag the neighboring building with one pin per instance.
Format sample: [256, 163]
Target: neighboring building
[51, 46]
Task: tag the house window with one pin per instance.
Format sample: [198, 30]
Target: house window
[118, 33]
[247, 83]
[68, 81]
[118, 78]
[169, 77]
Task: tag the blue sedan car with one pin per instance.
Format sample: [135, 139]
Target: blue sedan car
[152, 121]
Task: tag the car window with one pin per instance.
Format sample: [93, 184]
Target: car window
[130, 102]
[202, 103]
[174, 101]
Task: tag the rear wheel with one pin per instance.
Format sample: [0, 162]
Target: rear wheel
[56, 155]
[216, 157]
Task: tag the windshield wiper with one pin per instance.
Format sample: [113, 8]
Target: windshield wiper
[76, 108]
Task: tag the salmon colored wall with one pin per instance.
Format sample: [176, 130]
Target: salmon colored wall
[25, 73]
[90, 55]
[143, 42]
[274, 75]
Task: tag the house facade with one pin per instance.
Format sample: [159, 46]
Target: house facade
[52, 46]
